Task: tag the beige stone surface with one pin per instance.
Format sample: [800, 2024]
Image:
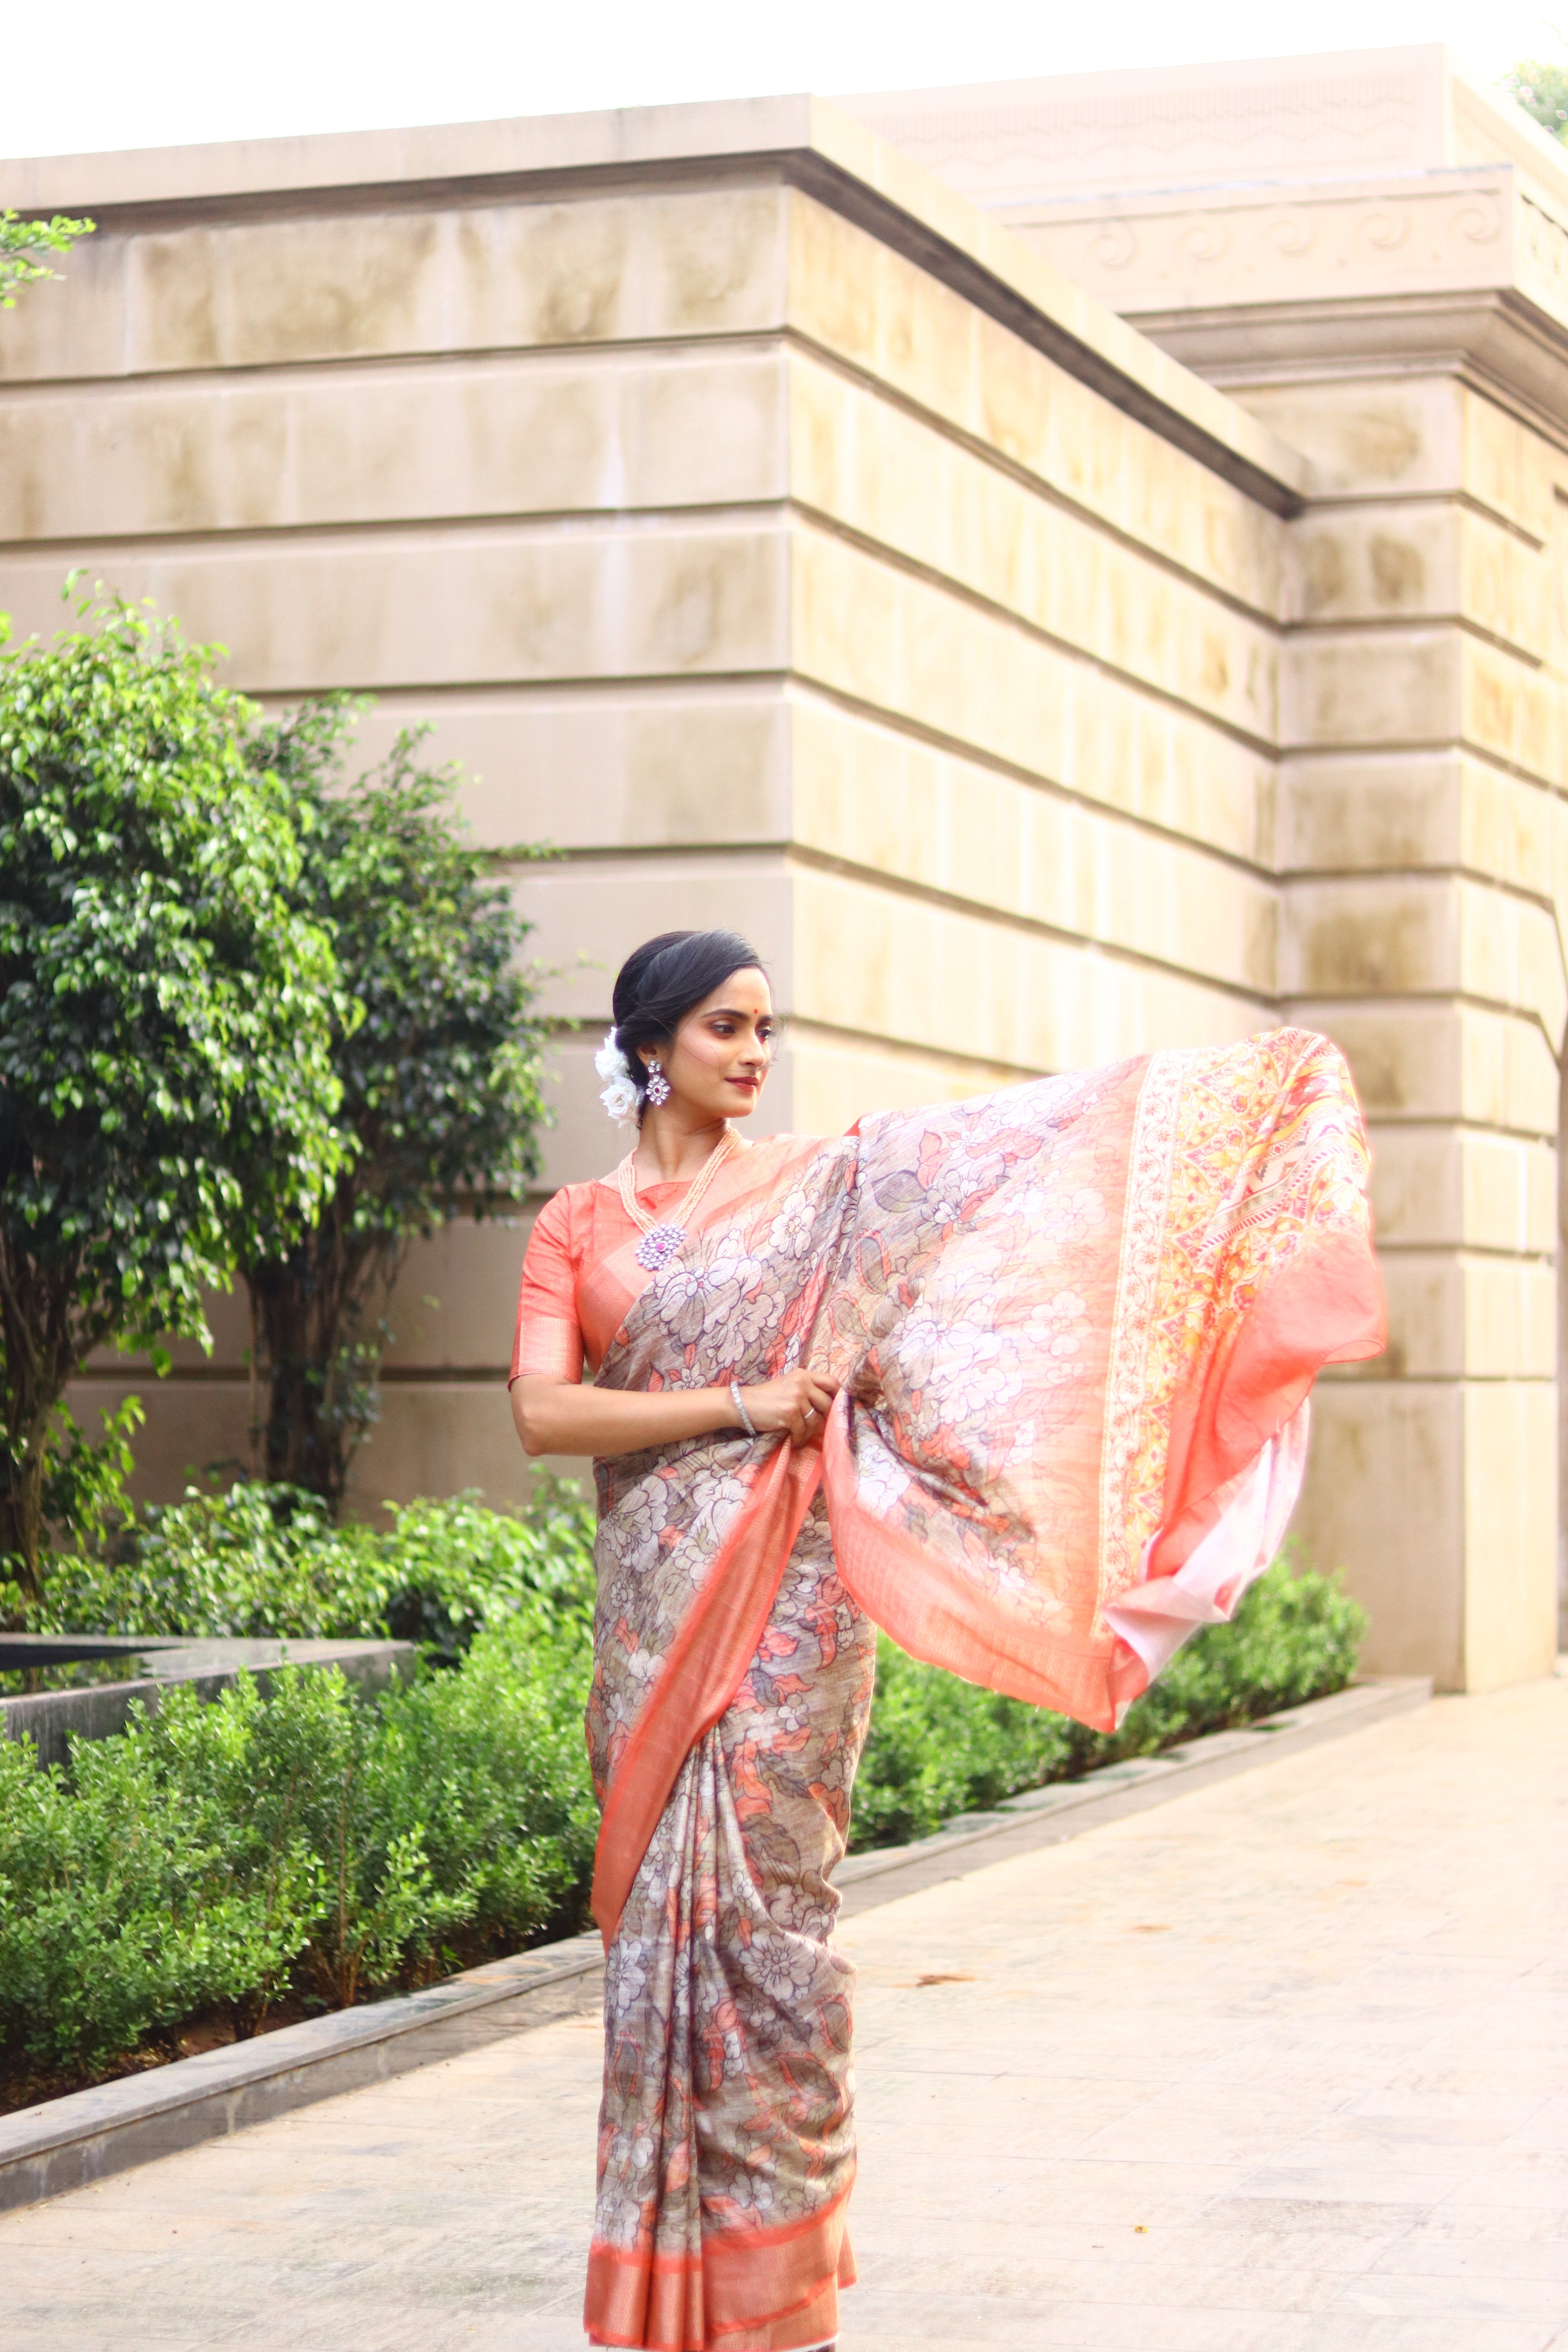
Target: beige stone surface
[926, 974]
[483, 435]
[877, 310]
[589, 914]
[1342, 689]
[1385, 1505]
[1369, 437]
[1435, 1185]
[1510, 1523]
[657, 765]
[1276, 119]
[889, 640]
[198, 1430]
[1454, 1313]
[361, 613]
[426, 1426]
[881, 802]
[1351, 809]
[923, 495]
[1435, 1059]
[1277, 2063]
[374, 283]
[1376, 562]
[1372, 935]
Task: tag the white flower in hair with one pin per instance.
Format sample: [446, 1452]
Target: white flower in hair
[620, 1096]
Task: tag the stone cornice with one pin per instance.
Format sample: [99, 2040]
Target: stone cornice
[1494, 338]
[1464, 269]
[808, 142]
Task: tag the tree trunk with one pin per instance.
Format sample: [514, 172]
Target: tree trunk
[43, 1344]
[318, 1353]
[22, 1523]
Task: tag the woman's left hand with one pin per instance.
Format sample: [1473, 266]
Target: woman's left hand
[797, 1403]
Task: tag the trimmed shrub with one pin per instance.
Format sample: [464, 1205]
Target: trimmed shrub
[223, 1858]
[261, 1561]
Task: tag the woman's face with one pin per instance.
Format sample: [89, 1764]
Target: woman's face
[720, 1059]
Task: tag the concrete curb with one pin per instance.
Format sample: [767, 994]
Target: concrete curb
[66, 2143]
[51, 1719]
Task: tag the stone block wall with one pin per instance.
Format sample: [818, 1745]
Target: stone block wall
[791, 547]
[1370, 253]
[1422, 834]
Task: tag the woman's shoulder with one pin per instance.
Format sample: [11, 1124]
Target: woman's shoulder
[568, 1212]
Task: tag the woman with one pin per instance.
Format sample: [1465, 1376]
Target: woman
[1022, 1379]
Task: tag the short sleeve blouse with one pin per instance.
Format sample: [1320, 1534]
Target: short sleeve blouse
[549, 1340]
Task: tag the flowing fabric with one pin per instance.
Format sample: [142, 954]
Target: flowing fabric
[1076, 1325]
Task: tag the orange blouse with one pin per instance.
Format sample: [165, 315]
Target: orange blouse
[580, 1271]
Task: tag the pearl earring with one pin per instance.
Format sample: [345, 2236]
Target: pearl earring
[658, 1085]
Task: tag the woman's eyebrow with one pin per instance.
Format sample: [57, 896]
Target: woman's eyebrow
[729, 1012]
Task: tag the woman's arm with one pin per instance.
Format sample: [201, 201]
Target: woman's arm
[554, 1417]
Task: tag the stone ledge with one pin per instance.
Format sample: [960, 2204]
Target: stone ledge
[99, 1710]
[67, 2143]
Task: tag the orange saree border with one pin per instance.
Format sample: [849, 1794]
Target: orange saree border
[1324, 1305]
[749, 2290]
[703, 1669]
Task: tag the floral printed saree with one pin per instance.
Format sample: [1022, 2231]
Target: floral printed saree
[1076, 1325]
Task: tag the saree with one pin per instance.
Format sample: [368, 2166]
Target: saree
[1075, 1325]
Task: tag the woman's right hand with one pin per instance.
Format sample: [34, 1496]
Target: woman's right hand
[795, 1401]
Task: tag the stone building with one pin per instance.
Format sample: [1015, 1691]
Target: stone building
[1069, 568]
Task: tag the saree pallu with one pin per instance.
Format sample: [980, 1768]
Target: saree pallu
[1076, 1325]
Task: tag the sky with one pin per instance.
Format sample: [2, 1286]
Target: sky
[100, 74]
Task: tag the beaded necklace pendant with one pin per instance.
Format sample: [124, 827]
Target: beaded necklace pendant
[661, 1242]
[659, 1245]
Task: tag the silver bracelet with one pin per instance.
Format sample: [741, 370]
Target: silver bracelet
[738, 1401]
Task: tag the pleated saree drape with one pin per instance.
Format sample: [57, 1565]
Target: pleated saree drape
[1076, 1323]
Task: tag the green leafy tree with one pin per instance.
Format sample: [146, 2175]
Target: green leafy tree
[24, 244]
[166, 1012]
[440, 1077]
[1542, 91]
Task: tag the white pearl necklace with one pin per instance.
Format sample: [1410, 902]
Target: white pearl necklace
[661, 1239]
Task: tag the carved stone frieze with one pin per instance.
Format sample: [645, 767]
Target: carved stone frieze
[1448, 230]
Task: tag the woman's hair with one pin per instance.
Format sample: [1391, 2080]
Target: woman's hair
[660, 981]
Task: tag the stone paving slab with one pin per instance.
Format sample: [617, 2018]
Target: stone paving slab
[1282, 2066]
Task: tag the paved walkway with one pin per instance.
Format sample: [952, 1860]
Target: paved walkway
[1282, 2066]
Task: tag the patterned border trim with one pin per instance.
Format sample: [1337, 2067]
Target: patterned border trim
[1149, 1169]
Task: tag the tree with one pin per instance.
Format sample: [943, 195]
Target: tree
[440, 1077]
[23, 244]
[166, 1012]
[1542, 91]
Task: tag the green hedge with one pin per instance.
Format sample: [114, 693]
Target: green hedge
[303, 1848]
[259, 1855]
[260, 1561]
